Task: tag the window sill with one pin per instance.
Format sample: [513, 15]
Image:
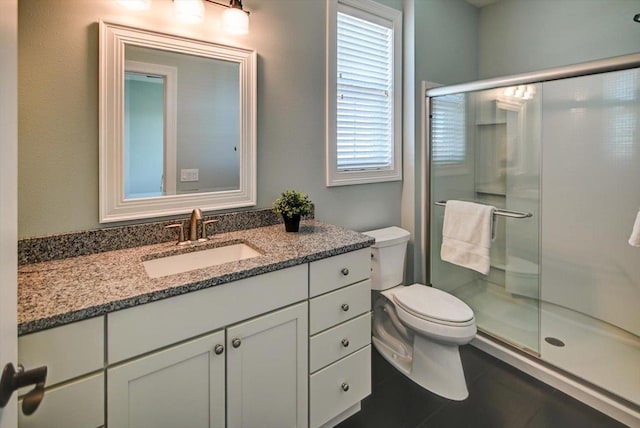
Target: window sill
[359, 177]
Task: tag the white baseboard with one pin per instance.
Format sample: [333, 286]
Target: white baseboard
[622, 412]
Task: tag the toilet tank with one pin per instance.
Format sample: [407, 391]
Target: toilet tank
[387, 257]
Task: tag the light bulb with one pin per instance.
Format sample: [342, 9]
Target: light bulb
[235, 21]
[189, 11]
[135, 4]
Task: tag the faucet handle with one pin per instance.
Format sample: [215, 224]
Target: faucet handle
[204, 228]
[181, 240]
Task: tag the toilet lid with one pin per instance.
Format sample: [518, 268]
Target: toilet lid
[432, 304]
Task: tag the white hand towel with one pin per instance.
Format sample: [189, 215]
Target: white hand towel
[466, 235]
[634, 239]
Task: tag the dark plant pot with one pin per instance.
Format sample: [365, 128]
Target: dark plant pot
[292, 224]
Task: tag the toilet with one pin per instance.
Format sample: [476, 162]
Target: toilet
[417, 328]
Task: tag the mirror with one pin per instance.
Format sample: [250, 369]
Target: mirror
[177, 125]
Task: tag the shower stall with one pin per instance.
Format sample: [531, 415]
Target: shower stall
[558, 154]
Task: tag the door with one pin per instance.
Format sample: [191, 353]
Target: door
[267, 370]
[8, 194]
[182, 386]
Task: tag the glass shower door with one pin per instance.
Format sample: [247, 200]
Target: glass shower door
[485, 148]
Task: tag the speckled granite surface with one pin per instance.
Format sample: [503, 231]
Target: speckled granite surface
[58, 292]
[56, 247]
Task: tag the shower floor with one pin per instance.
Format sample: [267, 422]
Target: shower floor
[593, 350]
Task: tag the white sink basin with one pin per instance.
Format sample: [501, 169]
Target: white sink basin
[179, 263]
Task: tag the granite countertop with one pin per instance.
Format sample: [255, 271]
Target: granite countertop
[59, 292]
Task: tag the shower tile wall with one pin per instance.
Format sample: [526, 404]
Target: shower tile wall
[591, 194]
[590, 197]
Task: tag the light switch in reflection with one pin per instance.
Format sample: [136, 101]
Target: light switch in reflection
[188, 175]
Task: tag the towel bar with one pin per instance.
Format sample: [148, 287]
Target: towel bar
[500, 212]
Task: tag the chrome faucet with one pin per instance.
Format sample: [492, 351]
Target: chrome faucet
[196, 215]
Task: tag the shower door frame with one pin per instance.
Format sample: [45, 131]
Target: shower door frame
[498, 346]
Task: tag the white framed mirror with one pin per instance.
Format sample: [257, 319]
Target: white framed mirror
[177, 124]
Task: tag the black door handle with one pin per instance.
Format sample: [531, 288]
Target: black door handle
[13, 380]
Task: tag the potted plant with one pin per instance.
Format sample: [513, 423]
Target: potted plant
[292, 205]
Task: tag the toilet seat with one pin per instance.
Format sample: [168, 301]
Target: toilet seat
[433, 305]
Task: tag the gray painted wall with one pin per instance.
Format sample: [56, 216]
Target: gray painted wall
[446, 41]
[517, 36]
[446, 52]
[58, 122]
[58, 167]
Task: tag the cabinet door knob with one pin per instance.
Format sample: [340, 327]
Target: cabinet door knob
[345, 342]
[219, 349]
[345, 307]
[236, 342]
[344, 271]
[345, 386]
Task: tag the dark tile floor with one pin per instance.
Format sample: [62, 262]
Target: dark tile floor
[499, 396]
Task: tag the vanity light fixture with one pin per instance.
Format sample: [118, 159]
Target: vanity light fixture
[189, 11]
[235, 20]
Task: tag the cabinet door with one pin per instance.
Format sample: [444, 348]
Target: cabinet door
[182, 386]
[267, 370]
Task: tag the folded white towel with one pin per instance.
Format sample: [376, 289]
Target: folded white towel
[634, 239]
[466, 235]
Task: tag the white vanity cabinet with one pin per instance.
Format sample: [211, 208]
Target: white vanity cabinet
[255, 352]
[340, 336]
[258, 375]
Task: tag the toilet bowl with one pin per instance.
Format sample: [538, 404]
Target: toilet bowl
[417, 328]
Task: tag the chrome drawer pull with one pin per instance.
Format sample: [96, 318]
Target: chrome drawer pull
[218, 349]
[344, 271]
[236, 342]
[345, 342]
[345, 386]
[345, 307]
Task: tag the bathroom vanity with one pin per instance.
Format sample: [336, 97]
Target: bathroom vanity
[277, 340]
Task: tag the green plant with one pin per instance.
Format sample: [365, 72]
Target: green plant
[292, 203]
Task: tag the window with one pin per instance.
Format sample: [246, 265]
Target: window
[448, 122]
[364, 93]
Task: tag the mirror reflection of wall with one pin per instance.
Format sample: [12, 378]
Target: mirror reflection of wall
[144, 135]
[207, 126]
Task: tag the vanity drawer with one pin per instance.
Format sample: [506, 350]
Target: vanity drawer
[339, 341]
[336, 272]
[328, 397]
[78, 404]
[173, 320]
[339, 306]
[68, 351]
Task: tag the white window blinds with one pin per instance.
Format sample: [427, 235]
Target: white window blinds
[365, 116]
[448, 136]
